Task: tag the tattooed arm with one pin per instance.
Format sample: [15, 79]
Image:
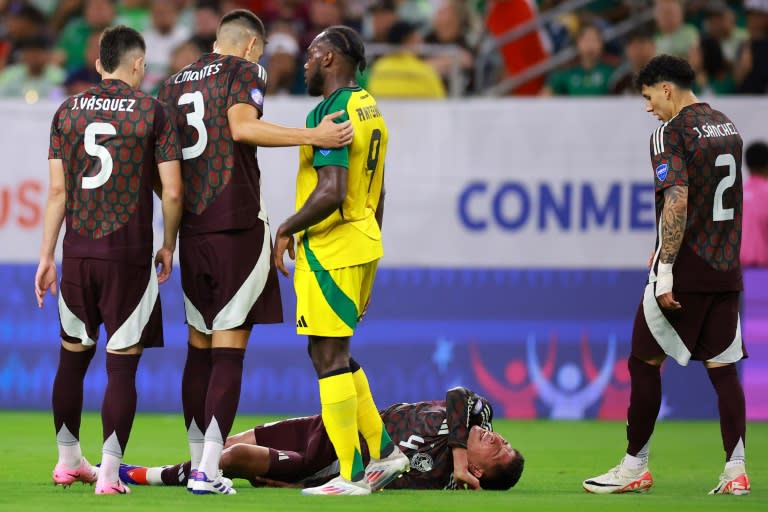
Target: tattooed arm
[673, 220]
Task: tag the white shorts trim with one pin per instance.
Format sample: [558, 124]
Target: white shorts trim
[733, 353]
[234, 313]
[129, 333]
[663, 332]
[72, 325]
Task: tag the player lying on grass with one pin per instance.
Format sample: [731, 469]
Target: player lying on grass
[449, 443]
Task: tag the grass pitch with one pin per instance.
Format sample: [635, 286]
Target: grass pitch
[686, 458]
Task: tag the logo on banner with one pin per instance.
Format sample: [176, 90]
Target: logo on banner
[662, 171]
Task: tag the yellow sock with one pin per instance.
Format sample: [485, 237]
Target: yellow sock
[368, 420]
[339, 411]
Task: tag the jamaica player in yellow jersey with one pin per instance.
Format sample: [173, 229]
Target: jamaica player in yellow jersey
[337, 224]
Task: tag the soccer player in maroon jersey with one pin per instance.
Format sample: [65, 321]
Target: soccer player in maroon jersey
[108, 145]
[227, 272]
[691, 302]
[297, 452]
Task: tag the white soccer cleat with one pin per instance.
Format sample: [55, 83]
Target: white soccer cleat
[733, 481]
[224, 480]
[339, 487]
[620, 480]
[202, 485]
[380, 472]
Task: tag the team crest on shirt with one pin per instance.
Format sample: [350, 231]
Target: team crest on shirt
[257, 96]
[662, 171]
[422, 462]
[325, 152]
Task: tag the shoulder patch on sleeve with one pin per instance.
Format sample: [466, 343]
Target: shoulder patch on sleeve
[661, 171]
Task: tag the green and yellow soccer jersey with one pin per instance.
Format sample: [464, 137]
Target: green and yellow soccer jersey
[350, 235]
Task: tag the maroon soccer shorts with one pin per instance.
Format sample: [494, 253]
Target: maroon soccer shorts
[299, 449]
[122, 296]
[707, 328]
[229, 279]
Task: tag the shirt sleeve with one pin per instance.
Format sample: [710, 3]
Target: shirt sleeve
[249, 86]
[166, 137]
[668, 157]
[55, 148]
[464, 408]
[338, 157]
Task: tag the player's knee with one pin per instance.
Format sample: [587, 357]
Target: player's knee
[233, 456]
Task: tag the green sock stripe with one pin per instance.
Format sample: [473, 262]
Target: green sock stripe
[358, 470]
[386, 441]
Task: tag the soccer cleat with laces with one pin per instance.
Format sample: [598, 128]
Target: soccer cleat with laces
[339, 486]
[380, 472]
[733, 481]
[202, 485]
[620, 480]
[65, 476]
[112, 488]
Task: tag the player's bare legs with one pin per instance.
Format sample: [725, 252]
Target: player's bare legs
[338, 399]
[117, 413]
[632, 474]
[732, 409]
[67, 399]
[221, 401]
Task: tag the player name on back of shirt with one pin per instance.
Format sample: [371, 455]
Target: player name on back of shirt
[106, 104]
[716, 130]
[197, 74]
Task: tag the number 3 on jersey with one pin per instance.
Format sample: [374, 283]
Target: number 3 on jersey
[195, 120]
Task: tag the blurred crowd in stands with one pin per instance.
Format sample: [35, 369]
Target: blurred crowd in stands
[417, 48]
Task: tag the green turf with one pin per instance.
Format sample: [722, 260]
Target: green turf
[686, 460]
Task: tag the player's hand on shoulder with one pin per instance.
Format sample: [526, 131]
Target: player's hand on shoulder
[330, 134]
[164, 264]
[283, 242]
[45, 279]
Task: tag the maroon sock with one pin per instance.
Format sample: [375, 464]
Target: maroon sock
[644, 403]
[176, 475]
[67, 396]
[223, 391]
[730, 403]
[119, 406]
[194, 385]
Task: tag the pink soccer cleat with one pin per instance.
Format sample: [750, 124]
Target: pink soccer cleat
[112, 488]
[66, 476]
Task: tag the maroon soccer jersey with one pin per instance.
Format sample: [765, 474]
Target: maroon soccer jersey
[701, 148]
[221, 176]
[427, 432]
[110, 139]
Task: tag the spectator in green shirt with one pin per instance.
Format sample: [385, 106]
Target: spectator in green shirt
[591, 76]
[97, 15]
[34, 77]
[674, 36]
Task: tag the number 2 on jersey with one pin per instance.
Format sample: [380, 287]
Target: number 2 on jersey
[195, 120]
[373, 154]
[718, 212]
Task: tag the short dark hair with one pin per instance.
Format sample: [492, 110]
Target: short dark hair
[349, 43]
[640, 34]
[506, 476]
[115, 43]
[247, 18]
[756, 156]
[665, 68]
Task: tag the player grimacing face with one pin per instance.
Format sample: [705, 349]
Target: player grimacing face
[658, 101]
[313, 76]
[488, 450]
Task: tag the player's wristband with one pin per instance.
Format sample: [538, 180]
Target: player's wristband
[663, 279]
